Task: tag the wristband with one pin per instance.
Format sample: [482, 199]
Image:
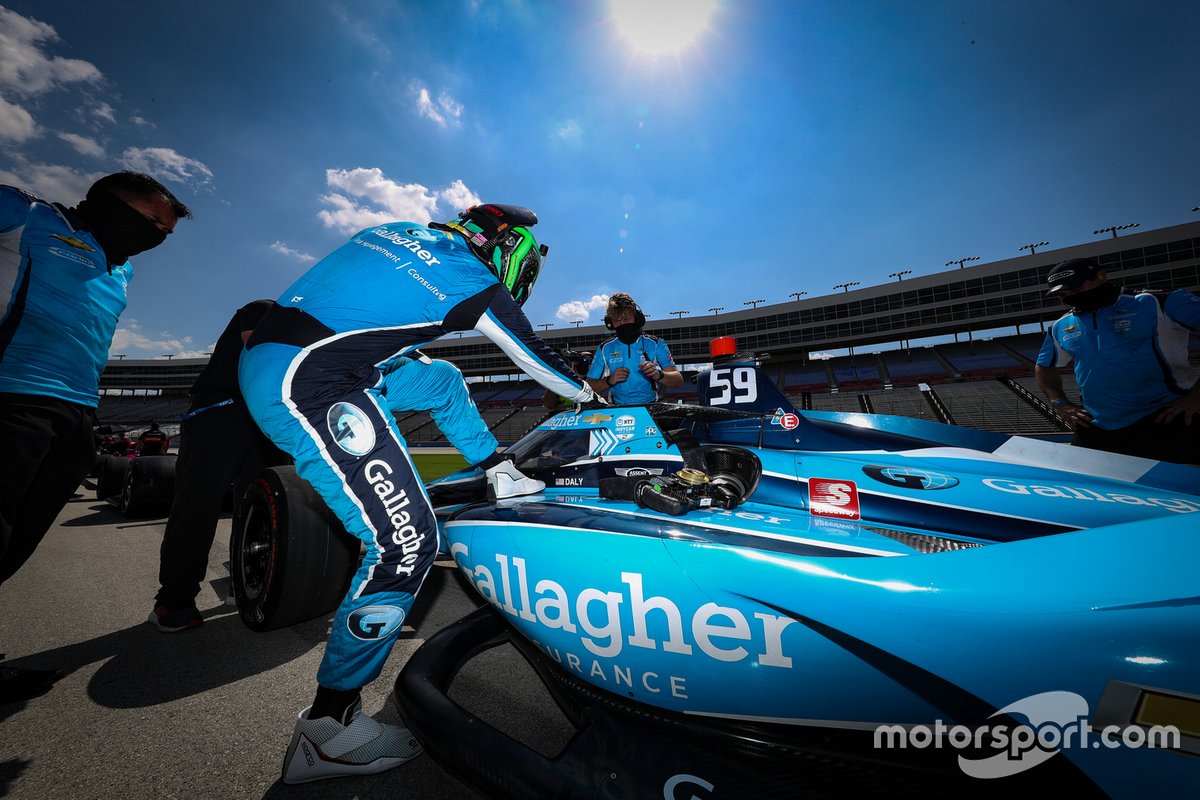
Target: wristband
[1057, 404]
[661, 373]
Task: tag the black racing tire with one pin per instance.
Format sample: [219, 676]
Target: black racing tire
[111, 476]
[149, 487]
[290, 558]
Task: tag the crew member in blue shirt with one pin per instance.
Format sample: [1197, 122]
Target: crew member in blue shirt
[313, 376]
[1129, 349]
[63, 277]
[632, 366]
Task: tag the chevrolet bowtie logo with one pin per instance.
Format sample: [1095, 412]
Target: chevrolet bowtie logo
[78, 244]
[596, 419]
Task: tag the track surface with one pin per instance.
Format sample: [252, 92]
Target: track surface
[205, 713]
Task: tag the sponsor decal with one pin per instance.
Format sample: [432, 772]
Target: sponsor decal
[1177, 504]
[602, 442]
[789, 422]
[907, 478]
[424, 234]
[1122, 325]
[374, 622]
[69, 256]
[596, 419]
[404, 532]
[568, 481]
[637, 472]
[612, 617]
[567, 421]
[833, 498]
[625, 421]
[411, 245]
[1070, 328]
[350, 428]
[651, 430]
[78, 244]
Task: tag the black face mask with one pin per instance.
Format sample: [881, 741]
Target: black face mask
[1093, 299]
[120, 229]
[627, 333]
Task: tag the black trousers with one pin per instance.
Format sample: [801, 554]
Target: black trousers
[218, 447]
[49, 448]
[1175, 441]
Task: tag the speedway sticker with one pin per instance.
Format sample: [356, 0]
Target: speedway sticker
[833, 498]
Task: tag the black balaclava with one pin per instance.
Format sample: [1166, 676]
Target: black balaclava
[628, 333]
[119, 228]
[1093, 299]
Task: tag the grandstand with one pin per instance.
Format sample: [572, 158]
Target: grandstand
[971, 374]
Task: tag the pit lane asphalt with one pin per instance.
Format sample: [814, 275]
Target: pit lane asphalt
[206, 713]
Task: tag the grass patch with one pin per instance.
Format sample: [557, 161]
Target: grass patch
[435, 465]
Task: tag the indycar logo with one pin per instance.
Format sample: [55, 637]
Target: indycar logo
[905, 478]
[350, 428]
[833, 498]
[374, 622]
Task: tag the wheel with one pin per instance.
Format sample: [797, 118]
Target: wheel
[111, 476]
[149, 486]
[290, 558]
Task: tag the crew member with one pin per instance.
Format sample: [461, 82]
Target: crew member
[632, 366]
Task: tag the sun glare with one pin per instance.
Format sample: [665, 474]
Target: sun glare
[661, 27]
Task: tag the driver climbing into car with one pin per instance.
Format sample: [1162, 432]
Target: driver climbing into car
[312, 375]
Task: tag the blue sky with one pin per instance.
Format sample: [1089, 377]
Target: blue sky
[786, 147]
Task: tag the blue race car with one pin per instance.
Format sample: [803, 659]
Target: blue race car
[738, 599]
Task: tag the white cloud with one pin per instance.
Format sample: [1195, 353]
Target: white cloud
[82, 144]
[444, 111]
[129, 342]
[104, 111]
[569, 131]
[820, 356]
[165, 164]
[283, 249]
[25, 69]
[364, 197]
[581, 309]
[51, 182]
[142, 122]
[16, 124]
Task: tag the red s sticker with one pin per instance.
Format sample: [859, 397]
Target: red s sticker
[833, 498]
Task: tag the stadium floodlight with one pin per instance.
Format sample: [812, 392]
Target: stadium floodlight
[961, 261]
[679, 313]
[545, 325]
[118, 356]
[1195, 208]
[576, 322]
[715, 309]
[797, 295]
[1032, 248]
[846, 286]
[1114, 228]
[900, 275]
[753, 303]
[168, 356]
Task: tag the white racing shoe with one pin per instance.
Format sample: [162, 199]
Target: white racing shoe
[504, 480]
[325, 748]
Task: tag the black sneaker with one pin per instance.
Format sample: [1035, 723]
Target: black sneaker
[172, 619]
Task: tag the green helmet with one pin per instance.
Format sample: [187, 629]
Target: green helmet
[499, 236]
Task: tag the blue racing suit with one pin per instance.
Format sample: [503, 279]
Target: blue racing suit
[61, 302]
[1131, 358]
[313, 376]
[637, 389]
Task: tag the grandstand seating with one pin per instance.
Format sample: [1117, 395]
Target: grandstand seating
[913, 366]
[983, 359]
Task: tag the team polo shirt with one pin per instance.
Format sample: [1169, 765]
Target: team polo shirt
[637, 389]
[61, 302]
[1130, 358]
